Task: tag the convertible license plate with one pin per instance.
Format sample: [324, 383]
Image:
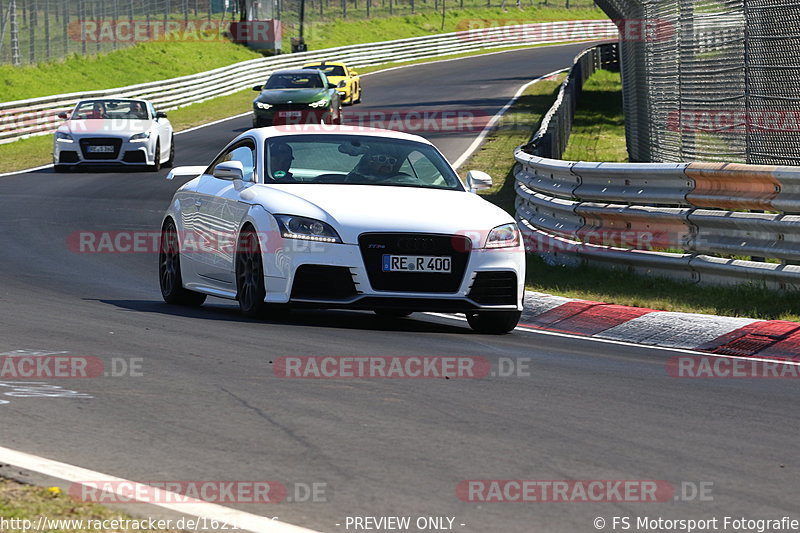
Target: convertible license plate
[417, 263]
[289, 114]
[102, 149]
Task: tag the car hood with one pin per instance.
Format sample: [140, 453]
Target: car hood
[105, 128]
[296, 96]
[355, 209]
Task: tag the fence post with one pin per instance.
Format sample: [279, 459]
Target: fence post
[65, 22]
[15, 59]
[46, 30]
[32, 32]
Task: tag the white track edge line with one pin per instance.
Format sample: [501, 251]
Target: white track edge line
[197, 508]
[490, 126]
[531, 329]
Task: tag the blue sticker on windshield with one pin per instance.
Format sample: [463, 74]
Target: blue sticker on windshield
[280, 174]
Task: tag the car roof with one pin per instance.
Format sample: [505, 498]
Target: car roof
[112, 99]
[326, 63]
[295, 71]
[327, 129]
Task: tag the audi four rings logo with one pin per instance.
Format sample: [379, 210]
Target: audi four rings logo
[416, 245]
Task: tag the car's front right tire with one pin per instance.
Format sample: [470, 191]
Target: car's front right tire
[169, 271]
[493, 322]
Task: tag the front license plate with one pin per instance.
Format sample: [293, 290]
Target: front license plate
[416, 263]
[289, 114]
[100, 149]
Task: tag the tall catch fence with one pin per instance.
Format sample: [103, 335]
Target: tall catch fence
[708, 223]
[32, 31]
[711, 80]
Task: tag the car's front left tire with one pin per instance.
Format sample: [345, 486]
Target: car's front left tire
[169, 271]
[171, 161]
[493, 322]
[156, 166]
[250, 290]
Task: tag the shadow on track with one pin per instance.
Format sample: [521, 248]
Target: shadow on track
[333, 318]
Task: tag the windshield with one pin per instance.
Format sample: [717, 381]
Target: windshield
[110, 109]
[294, 81]
[356, 159]
[329, 70]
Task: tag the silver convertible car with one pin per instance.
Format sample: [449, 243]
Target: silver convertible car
[341, 217]
[113, 131]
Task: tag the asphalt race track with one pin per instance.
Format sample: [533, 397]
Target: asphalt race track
[210, 407]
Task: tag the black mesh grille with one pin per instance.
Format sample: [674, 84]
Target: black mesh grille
[320, 282]
[375, 245]
[134, 156]
[494, 288]
[102, 141]
[67, 157]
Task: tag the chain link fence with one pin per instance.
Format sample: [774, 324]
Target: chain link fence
[32, 31]
[711, 80]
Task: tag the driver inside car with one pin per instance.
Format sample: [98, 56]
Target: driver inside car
[378, 166]
[97, 111]
[280, 161]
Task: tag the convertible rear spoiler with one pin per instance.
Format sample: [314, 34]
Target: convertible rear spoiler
[185, 171]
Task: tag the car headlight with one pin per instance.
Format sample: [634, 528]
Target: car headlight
[319, 103]
[63, 137]
[505, 236]
[262, 105]
[140, 137]
[309, 229]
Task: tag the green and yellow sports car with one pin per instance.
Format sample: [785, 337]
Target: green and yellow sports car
[346, 79]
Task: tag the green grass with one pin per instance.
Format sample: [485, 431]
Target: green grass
[158, 60]
[513, 129]
[342, 32]
[601, 105]
[26, 502]
[144, 62]
[598, 131]
[623, 288]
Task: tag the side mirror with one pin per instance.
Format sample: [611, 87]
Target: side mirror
[258, 88]
[62, 115]
[229, 170]
[353, 73]
[161, 114]
[477, 180]
[342, 84]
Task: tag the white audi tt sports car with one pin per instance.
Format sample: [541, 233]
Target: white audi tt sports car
[113, 131]
[341, 217]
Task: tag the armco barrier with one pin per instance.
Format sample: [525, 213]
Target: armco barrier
[37, 116]
[690, 221]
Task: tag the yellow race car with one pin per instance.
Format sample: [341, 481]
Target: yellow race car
[347, 80]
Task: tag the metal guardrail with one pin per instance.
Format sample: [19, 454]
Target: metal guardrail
[38, 116]
[691, 221]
